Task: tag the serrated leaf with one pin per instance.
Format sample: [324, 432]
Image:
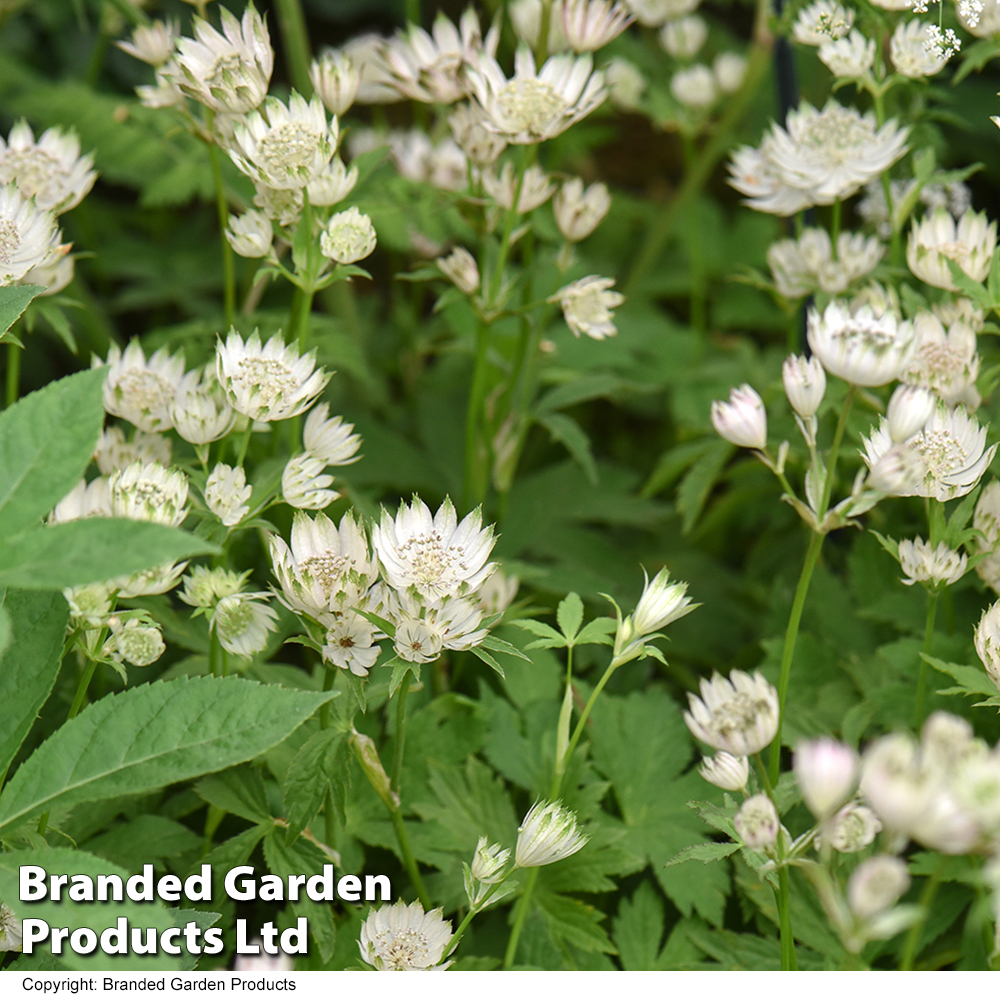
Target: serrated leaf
[972, 680]
[574, 922]
[14, 300]
[487, 658]
[569, 615]
[638, 930]
[309, 777]
[569, 433]
[597, 632]
[151, 736]
[503, 646]
[703, 852]
[239, 791]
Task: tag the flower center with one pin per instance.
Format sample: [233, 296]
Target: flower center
[267, 378]
[289, 148]
[428, 560]
[326, 569]
[835, 135]
[145, 390]
[528, 105]
[942, 453]
[10, 240]
[31, 169]
[406, 950]
[739, 714]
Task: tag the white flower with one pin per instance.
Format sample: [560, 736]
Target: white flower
[806, 265]
[166, 93]
[457, 621]
[437, 556]
[588, 306]
[227, 494]
[589, 25]
[10, 929]
[578, 211]
[757, 822]
[138, 641]
[149, 492]
[876, 885]
[625, 84]
[50, 170]
[805, 384]
[730, 70]
[987, 639]
[489, 861]
[54, 273]
[909, 53]
[89, 606]
[661, 603]
[28, 235]
[987, 520]
[979, 17]
[367, 52]
[428, 67]
[859, 345]
[536, 187]
[336, 79]
[349, 237]
[821, 22]
[443, 165]
[850, 57]
[200, 413]
[725, 771]
[242, 622]
[853, 828]
[909, 409]
[827, 773]
[534, 106]
[333, 184]
[479, 144]
[149, 582]
[937, 566]
[269, 382]
[113, 452]
[526, 18]
[497, 593]
[329, 438]
[227, 72]
[743, 420]
[304, 485]
[84, 500]
[548, 834]
[285, 147]
[936, 239]
[350, 644]
[142, 391]
[153, 43]
[959, 310]
[417, 641]
[738, 714]
[461, 269]
[250, 235]
[205, 587]
[402, 938]
[941, 44]
[327, 569]
[694, 86]
[944, 460]
[754, 172]
[653, 13]
[684, 37]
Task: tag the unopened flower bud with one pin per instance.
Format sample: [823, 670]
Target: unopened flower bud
[548, 834]
[250, 235]
[876, 885]
[579, 212]
[987, 638]
[910, 407]
[853, 828]
[336, 78]
[921, 563]
[684, 37]
[730, 70]
[757, 822]
[367, 754]
[460, 268]
[827, 773]
[725, 771]
[743, 420]
[348, 237]
[138, 642]
[489, 861]
[805, 384]
[227, 494]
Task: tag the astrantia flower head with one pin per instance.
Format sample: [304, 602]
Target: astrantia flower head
[661, 603]
[114, 451]
[805, 384]
[461, 269]
[738, 714]
[827, 773]
[242, 622]
[10, 929]
[304, 484]
[534, 106]
[250, 234]
[987, 639]
[923, 563]
[589, 25]
[336, 79]
[149, 492]
[227, 494]
[937, 239]
[743, 420]
[807, 264]
[579, 211]
[417, 640]
[730, 70]
[329, 438]
[142, 391]
[822, 22]
[267, 382]
[49, 169]
[684, 37]
[725, 771]
[850, 57]
[351, 644]
[694, 86]
[588, 306]
[285, 147]
[548, 834]
[757, 822]
[230, 71]
[488, 862]
[653, 13]
[479, 144]
[153, 43]
[909, 409]
[28, 235]
[986, 519]
[205, 587]
[402, 938]
[91, 499]
[333, 184]
[910, 53]
[502, 187]
[349, 237]
[876, 884]
[137, 641]
[436, 555]
[859, 345]
[853, 828]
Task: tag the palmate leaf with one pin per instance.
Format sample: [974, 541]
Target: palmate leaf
[151, 736]
[652, 793]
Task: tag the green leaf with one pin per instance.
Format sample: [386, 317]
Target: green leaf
[568, 432]
[569, 615]
[92, 550]
[152, 736]
[46, 442]
[308, 778]
[697, 484]
[499, 645]
[147, 839]
[551, 639]
[638, 930]
[239, 791]
[487, 658]
[597, 632]
[579, 390]
[971, 680]
[574, 922]
[14, 300]
[37, 629]
[96, 916]
[703, 852]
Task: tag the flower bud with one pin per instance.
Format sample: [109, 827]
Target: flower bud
[805, 384]
[227, 493]
[757, 822]
[827, 773]
[333, 185]
[336, 78]
[348, 237]
[934, 566]
[725, 771]
[662, 602]
[910, 407]
[987, 639]
[489, 861]
[138, 642]
[367, 754]
[459, 267]
[548, 834]
[730, 70]
[743, 420]
[250, 235]
[853, 828]
[875, 885]
[684, 37]
[579, 212]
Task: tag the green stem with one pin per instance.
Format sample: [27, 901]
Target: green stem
[304, 315]
[409, 862]
[81, 691]
[835, 228]
[13, 372]
[329, 822]
[241, 454]
[397, 753]
[295, 42]
[214, 654]
[789, 963]
[919, 712]
[412, 14]
[222, 209]
[476, 476]
[544, 27]
[909, 955]
[520, 915]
